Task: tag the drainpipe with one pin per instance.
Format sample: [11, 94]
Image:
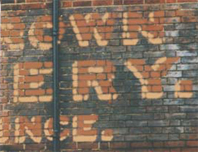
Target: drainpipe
[56, 126]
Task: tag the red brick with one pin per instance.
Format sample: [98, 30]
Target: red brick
[19, 26]
[82, 3]
[154, 1]
[128, 2]
[88, 145]
[48, 64]
[35, 147]
[137, 61]
[186, 0]
[152, 27]
[15, 20]
[159, 150]
[139, 150]
[5, 20]
[174, 144]
[102, 2]
[134, 15]
[33, 65]
[67, 4]
[15, 33]
[170, 1]
[159, 14]
[33, 6]
[49, 91]
[189, 150]
[35, 92]
[137, 21]
[175, 150]
[141, 144]
[87, 117]
[30, 1]
[16, 40]
[24, 86]
[118, 2]
[86, 63]
[156, 88]
[83, 90]
[5, 33]
[47, 38]
[34, 78]
[192, 143]
[120, 145]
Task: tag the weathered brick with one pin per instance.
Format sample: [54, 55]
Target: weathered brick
[189, 108]
[126, 123]
[170, 47]
[158, 123]
[135, 137]
[186, 53]
[176, 116]
[158, 137]
[175, 144]
[172, 33]
[190, 60]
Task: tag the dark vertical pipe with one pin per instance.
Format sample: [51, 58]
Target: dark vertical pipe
[56, 126]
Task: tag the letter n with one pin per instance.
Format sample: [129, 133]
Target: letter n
[33, 128]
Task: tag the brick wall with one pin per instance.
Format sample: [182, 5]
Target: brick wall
[128, 76]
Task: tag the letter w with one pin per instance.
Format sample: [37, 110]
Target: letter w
[101, 27]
